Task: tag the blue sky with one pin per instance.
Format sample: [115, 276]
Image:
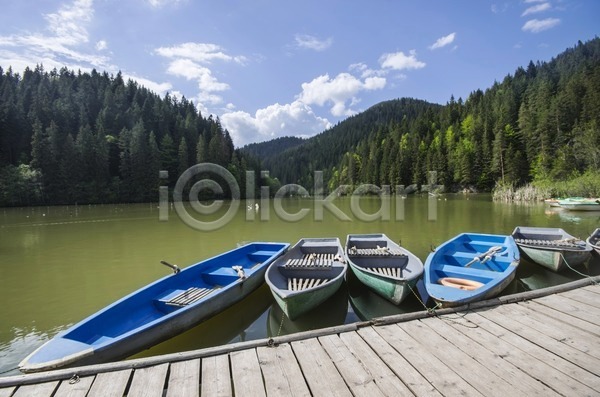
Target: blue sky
[271, 68]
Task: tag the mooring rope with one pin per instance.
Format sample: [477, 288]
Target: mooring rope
[594, 282]
[445, 317]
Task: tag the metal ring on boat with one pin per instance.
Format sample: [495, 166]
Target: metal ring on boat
[460, 283]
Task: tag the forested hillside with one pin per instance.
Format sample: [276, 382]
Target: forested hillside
[95, 138]
[541, 122]
[69, 137]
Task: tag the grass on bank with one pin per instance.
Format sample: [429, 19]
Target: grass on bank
[585, 185]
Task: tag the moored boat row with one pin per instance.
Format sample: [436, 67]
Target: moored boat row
[464, 269]
[575, 203]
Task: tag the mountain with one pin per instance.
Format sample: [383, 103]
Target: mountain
[541, 122]
[277, 145]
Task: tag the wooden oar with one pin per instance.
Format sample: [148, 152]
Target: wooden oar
[175, 268]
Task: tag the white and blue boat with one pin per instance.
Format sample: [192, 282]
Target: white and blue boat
[159, 310]
[470, 267]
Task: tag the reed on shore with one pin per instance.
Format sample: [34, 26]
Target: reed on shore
[585, 185]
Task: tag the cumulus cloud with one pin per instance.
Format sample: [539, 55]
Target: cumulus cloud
[294, 119]
[443, 41]
[66, 32]
[101, 45]
[537, 25]
[536, 8]
[163, 3]
[338, 91]
[199, 52]
[312, 42]
[191, 60]
[400, 61]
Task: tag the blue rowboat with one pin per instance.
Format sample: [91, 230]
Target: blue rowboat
[307, 275]
[552, 248]
[382, 265]
[470, 267]
[159, 310]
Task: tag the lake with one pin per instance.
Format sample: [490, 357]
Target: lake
[60, 264]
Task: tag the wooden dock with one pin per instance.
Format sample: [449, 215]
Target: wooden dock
[543, 342]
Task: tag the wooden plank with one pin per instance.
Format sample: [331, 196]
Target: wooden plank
[583, 296]
[465, 366]
[148, 382]
[184, 379]
[358, 379]
[37, 390]
[384, 377]
[575, 309]
[445, 380]
[526, 330]
[281, 371]
[319, 372]
[412, 378]
[566, 318]
[459, 332]
[77, 387]
[7, 391]
[563, 332]
[595, 288]
[216, 378]
[246, 374]
[110, 384]
[559, 374]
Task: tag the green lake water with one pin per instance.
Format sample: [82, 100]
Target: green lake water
[61, 264]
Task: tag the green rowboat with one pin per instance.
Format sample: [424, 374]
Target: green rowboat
[382, 265]
[552, 248]
[307, 275]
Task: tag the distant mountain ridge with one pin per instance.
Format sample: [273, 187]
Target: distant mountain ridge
[542, 121]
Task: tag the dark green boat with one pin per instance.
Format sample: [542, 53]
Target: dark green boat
[552, 248]
[309, 273]
[383, 266]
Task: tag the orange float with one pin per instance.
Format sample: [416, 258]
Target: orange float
[460, 283]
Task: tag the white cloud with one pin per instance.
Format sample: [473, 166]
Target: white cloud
[199, 52]
[337, 91]
[536, 8]
[60, 45]
[537, 25]
[101, 45]
[189, 60]
[313, 43]
[163, 3]
[158, 88]
[400, 61]
[294, 119]
[443, 41]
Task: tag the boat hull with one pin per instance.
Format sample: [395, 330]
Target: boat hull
[377, 248]
[555, 260]
[456, 259]
[552, 248]
[144, 318]
[296, 305]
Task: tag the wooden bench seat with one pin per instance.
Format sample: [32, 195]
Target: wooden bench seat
[299, 284]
